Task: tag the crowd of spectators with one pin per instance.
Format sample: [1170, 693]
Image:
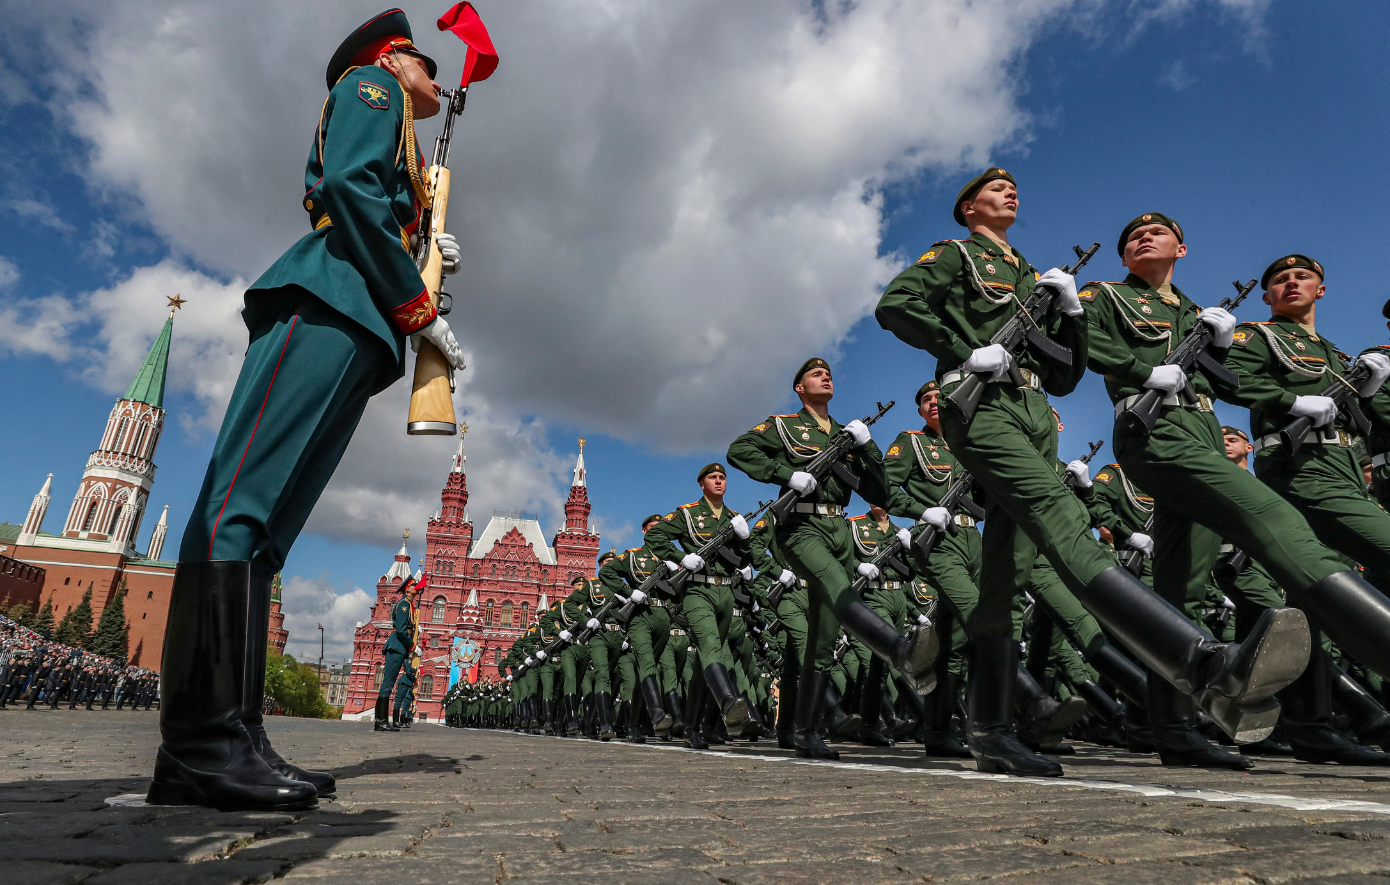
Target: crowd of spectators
[37, 670]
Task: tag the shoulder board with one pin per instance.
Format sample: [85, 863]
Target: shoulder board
[691, 504]
[1386, 346]
[859, 517]
[792, 415]
[630, 550]
[1344, 357]
[918, 432]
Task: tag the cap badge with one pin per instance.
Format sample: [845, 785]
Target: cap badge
[1290, 261]
[1148, 217]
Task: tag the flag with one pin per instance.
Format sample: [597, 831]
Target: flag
[481, 60]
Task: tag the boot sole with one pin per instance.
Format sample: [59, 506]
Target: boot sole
[1069, 714]
[1186, 760]
[173, 794]
[989, 766]
[1245, 723]
[1281, 657]
[921, 656]
[736, 716]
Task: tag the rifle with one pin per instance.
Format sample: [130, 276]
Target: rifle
[828, 461]
[1132, 559]
[432, 389]
[718, 545]
[956, 497]
[886, 557]
[1021, 330]
[1142, 416]
[1343, 392]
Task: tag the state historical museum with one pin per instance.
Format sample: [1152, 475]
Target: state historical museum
[483, 592]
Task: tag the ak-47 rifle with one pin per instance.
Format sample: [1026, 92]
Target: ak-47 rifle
[828, 461]
[957, 497]
[1342, 391]
[1194, 351]
[1022, 330]
[1132, 558]
[887, 556]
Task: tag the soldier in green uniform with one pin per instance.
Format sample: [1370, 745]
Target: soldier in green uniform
[883, 594]
[605, 651]
[404, 711]
[708, 599]
[399, 645]
[816, 542]
[1121, 511]
[1377, 409]
[650, 627]
[570, 615]
[951, 302]
[790, 612]
[1283, 365]
[328, 325]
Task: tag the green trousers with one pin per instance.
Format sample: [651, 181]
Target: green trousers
[546, 673]
[1077, 625]
[891, 605]
[1326, 485]
[1198, 493]
[673, 661]
[1253, 591]
[605, 647]
[1011, 449]
[648, 634]
[709, 609]
[792, 611]
[820, 550]
[389, 671]
[953, 574]
[302, 388]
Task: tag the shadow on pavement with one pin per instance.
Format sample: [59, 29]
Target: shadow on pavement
[413, 764]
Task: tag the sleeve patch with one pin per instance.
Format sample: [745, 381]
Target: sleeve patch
[670, 516]
[1103, 476]
[375, 96]
[760, 428]
[929, 256]
[1241, 336]
[893, 451]
[1087, 294]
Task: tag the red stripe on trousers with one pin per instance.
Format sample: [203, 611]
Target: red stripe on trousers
[257, 426]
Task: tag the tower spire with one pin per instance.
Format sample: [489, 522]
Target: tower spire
[460, 459]
[33, 523]
[579, 471]
[148, 385]
[161, 530]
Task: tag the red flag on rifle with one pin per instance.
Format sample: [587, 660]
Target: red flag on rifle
[482, 58]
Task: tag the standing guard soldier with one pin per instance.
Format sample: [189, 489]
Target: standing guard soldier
[1283, 365]
[708, 598]
[815, 541]
[399, 645]
[951, 302]
[328, 325]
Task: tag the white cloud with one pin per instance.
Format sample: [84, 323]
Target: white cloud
[40, 213]
[308, 602]
[9, 273]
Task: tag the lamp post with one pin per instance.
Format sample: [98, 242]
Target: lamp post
[320, 652]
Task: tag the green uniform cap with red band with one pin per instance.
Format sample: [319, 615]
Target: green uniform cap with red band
[814, 362]
[1147, 218]
[973, 186]
[384, 32]
[1287, 262]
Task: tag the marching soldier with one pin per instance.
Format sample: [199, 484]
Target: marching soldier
[1120, 510]
[884, 594]
[328, 323]
[951, 302]
[648, 631]
[708, 599]
[605, 651]
[816, 543]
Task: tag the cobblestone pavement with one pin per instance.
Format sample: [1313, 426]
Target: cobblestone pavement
[444, 805]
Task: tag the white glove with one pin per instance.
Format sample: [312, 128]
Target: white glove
[1380, 370]
[1065, 284]
[747, 572]
[1223, 325]
[1141, 542]
[802, 483]
[859, 430]
[923, 620]
[740, 525]
[1227, 603]
[1169, 379]
[541, 655]
[509, 677]
[638, 597]
[756, 608]
[530, 660]
[692, 562]
[787, 578]
[905, 538]
[449, 252]
[1082, 471]
[441, 336]
[593, 624]
[868, 570]
[1322, 409]
[991, 359]
[671, 566]
[566, 635]
[938, 517]
[625, 645]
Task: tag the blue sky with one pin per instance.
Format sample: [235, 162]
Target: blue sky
[1259, 129]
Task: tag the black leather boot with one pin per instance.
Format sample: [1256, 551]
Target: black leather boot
[786, 703]
[871, 706]
[811, 692]
[651, 696]
[990, 708]
[382, 719]
[1369, 718]
[694, 707]
[674, 706]
[1309, 726]
[1042, 719]
[635, 733]
[1123, 673]
[207, 758]
[604, 705]
[1173, 730]
[937, 737]
[1355, 614]
[1101, 703]
[1234, 683]
[574, 709]
[732, 707]
[912, 655]
[838, 721]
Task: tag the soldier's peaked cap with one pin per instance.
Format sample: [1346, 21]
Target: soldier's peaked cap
[925, 389]
[973, 186]
[814, 362]
[714, 467]
[380, 33]
[1287, 262]
[1140, 221]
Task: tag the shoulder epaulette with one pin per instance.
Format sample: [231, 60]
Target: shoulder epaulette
[918, 432]
[860, 516]
[1260, 323]
[630, 550]
[792, 415]
[691, 504]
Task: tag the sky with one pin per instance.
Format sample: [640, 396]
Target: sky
[663, 210]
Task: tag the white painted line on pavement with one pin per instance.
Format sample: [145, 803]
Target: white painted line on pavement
[1297, 803]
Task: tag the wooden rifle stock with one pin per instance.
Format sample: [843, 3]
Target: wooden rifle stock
[432, 388]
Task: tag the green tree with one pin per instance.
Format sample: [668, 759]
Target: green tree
[21, 614]
[44, 622]
[295, 688]
[75, 628]
[112, 634]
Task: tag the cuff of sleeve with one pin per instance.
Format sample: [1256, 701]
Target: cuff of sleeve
[961, 351]
[415, 314]
[1136, 374]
